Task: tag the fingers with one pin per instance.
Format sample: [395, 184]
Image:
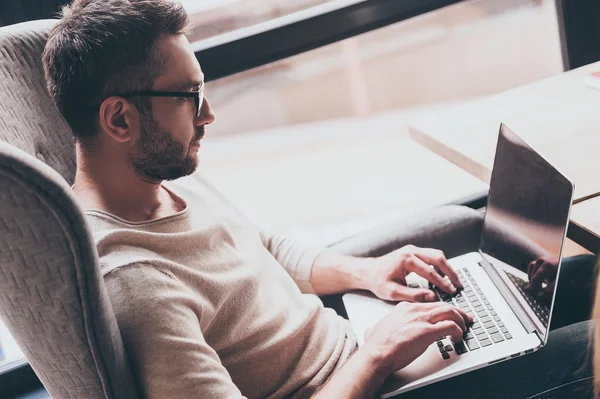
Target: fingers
[399, 292]
[533, 267]
[436, 258]
[450, 313]
[430, 274]
[443, 319]
[447, 328]
[541, 274]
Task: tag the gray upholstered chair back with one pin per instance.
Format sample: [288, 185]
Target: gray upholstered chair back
[29, 119]
[52, 295]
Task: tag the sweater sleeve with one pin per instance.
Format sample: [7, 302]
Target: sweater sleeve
[161, 329]
[296, 259]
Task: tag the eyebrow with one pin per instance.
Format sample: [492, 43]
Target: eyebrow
[189, 84]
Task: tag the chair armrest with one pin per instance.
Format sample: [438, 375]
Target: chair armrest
[453, 229]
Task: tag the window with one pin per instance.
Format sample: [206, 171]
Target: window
[214, 17]
[10, 354]
[472, 49]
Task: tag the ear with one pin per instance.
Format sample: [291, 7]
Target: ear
[119, 118]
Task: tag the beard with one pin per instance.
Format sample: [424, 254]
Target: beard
[158, 156]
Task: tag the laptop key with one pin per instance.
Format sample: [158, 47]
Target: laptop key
[485, 342]
[492, 330]
[448, 348]
[489, 324]
[497, 338]
[460, 348]
[480, 332]
[440, 343]
[485, 319]
[472, 344]
[504, 330]
[497, 318]
[468, 335]
[508, 336]
[446, 355]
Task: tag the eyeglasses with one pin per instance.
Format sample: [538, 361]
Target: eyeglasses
[198, 96]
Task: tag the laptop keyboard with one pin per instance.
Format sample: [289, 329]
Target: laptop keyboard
[540, 309]
[487, 329]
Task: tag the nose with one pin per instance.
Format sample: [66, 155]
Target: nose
[207, 115]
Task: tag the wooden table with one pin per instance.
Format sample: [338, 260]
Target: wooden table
[585, 223]
[559, 117]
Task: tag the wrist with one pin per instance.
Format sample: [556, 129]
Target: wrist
[362, 272]
[378, 361]
[333, 273]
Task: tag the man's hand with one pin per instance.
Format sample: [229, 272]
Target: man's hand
[542, 274]
[393, 344]
[386, 275]
[404, 334]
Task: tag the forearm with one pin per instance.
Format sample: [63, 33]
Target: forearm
[333, 273]
[361, 377]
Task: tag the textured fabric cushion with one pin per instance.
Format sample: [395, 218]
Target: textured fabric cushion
[453, 229]
[29, 119]
[52, 296]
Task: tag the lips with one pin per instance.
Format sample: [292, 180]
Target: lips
[196, 141]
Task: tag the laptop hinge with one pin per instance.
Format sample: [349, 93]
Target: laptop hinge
[508, 296]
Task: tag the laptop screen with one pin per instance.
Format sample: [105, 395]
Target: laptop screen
[525, 224]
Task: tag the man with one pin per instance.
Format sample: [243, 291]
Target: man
[208, 305]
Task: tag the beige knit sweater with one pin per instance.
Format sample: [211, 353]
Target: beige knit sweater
[209, 307]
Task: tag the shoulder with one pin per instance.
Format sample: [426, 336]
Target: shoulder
[142, 280]
[146, 292]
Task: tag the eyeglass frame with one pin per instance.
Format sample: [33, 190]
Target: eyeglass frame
[198, 95]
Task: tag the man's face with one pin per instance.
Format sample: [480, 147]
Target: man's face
[169, 137]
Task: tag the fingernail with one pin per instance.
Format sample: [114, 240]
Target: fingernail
[453, 289]
[431, 297]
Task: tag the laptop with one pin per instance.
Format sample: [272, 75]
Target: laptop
[509, 283]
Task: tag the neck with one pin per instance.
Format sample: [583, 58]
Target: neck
[105, 181]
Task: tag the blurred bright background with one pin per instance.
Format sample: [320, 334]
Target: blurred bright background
[316, 145]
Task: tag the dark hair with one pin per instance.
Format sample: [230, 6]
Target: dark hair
[103, 47]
